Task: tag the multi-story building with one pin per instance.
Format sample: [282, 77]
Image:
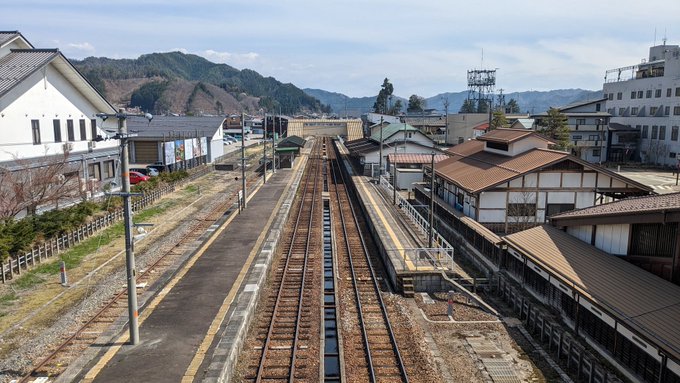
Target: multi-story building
[588, 124]
[646, 96]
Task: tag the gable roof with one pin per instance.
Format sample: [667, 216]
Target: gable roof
[475, 170]
[507, 136]
[175, 127]
[392, 129]
[637, 206]
[19, 64]
[415, 158]
[578, 104]
[7, 37]
[640, 299]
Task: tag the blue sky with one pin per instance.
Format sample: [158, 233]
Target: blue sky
[424, 47]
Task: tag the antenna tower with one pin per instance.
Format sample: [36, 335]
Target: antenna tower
[481, 86]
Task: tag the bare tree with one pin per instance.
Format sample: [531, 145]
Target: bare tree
[521, 212]
[35, 183]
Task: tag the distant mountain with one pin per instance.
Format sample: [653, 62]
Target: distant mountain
[175, 82]
[530, 101]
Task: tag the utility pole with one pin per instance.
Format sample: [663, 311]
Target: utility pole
[394, 177]
[274, 144]
[446, 120]
[243, 160]
[380, 161]
[264, 151]
[431, 231]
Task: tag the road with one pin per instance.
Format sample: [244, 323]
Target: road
[663, 182]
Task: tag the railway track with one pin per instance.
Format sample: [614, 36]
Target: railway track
[371, 353]
[286, 345]
[70, 348]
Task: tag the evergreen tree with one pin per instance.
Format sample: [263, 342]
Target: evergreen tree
[554, 126]
[512, 106]
[498, 120]
[380, 105]
[467, 107]
[416, 104]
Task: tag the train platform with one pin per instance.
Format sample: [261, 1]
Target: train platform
[183, 324]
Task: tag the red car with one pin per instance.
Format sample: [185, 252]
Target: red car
[137, 177]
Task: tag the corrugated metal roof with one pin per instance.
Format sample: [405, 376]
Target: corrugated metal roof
[291, 141]
[643, 301]
[392, 129]
[506, 135]
[412, 158]
[21, 63]
[638, 205]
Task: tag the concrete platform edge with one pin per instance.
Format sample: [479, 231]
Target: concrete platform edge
[232, 336]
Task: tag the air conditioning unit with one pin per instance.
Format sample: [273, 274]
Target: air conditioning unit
[91, 145]
[67, 147]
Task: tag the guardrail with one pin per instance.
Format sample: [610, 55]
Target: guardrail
[55, 246]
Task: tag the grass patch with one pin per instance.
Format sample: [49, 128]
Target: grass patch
[75, 255]
[191, 188]
[7, 299]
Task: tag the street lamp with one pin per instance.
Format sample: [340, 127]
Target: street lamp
[123, 136]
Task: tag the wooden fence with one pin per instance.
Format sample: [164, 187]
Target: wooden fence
[38, 254]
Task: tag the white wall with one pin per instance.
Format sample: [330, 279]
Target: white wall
[584, 233]
[44, 98]
[612, 238]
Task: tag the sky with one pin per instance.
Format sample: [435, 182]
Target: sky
[350, 46]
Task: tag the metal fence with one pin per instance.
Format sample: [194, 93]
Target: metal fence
[439, 244]
[54, 246]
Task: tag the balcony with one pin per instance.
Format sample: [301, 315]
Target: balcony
[588, 143]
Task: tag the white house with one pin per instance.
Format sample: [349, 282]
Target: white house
[508, 179]
[47, 108]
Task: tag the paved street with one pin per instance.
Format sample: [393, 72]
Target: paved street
[662, 182]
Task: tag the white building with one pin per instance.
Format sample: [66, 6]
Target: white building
[48, 108]
[647, 96]
[508, 179]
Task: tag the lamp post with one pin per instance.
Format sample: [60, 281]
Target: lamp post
[380, 160]
[264, 150]
[243, 160]
[123, 137]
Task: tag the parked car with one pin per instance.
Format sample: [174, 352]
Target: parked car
[147, 171]
[137, 177]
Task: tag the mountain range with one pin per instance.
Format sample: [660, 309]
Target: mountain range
[529, 101]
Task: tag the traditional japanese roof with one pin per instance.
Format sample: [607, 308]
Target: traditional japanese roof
[510, 135]
[361, 146]
[643, 301]
[665, 206]
[19, 64]
[475, 170]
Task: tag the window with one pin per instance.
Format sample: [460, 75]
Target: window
[649, 93]
[93, 128]
[521, 209]
[83, 131]
[596, 152]
[598, 107]
[645, 130]
[35, 128]
[57, 130]
[619, 96]
[653, 239]
[632, 95]
[622, 111]
[69, 128]
[577, 137]
[94, 171]
[669, 92]
[610, 96]
[672, 155]
[667, 111]
[634, 111]
[497, 146]
[556, 208]
[640, 93]
[662, 132]
[655, 132]
[676, 110]
[580, 121]
[593, 137]
[677, 92]
[652, 110]
[109, 170]
[674, 133]
[657, 93]
[611, 111]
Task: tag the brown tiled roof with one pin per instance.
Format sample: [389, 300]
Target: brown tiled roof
[412, 158]
[508, 135]
[481, 170]
[646, 303]
[636, 205]
[467, 148]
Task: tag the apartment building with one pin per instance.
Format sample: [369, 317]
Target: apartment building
[646, 96]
